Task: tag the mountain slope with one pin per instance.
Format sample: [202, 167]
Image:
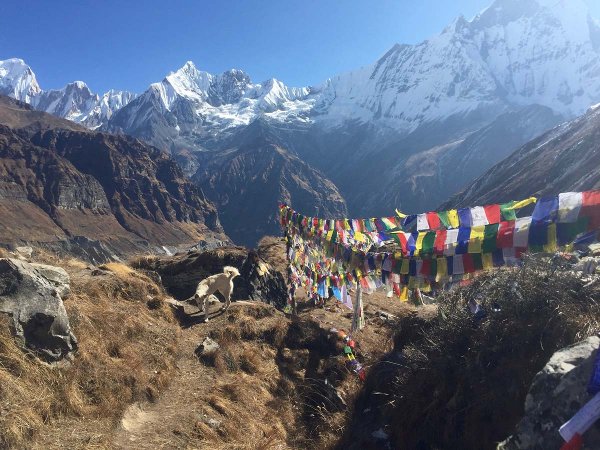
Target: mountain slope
[248, 180]
[406, 131]
[61, 182]
[564, 159]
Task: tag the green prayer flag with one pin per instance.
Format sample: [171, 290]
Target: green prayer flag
[507, 213]
[477, 261]
[444, 219]
[428, 242]
[490, 233]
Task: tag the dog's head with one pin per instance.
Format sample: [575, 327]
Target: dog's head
[231, 272]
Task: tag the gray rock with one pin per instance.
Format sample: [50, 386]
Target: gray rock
[213, 423]
[557, 392]
[57, 276]
[588, 265]
[208, 347]
[24, 252]
[39, 319]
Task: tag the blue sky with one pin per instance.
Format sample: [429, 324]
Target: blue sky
[128, 44]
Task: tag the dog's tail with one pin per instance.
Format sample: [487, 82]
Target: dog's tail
[231, 271]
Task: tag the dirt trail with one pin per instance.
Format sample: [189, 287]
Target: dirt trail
[158, 425]
[212, 407]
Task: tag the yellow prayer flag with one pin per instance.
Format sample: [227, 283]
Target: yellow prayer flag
[426, 286]
[476, 238]
[453, 218]
[488, 261]
[419, 243]
[401, 215]
[442, 269]
[404, 294]
[523, 203]
[551, 246]
[358, 236]
[405, 267]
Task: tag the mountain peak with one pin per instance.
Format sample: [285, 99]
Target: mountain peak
[17, 80]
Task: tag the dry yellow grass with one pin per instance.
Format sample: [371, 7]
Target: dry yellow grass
[126, 354]
[118, 268]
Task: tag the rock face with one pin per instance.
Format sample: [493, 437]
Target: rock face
[60, 183]
[39, 318]
[557, 392]
[180, 274]
[56, 276]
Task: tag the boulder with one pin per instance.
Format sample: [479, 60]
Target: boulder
[24, 252]
[57, 276]
[38, 316]
[557, 392]
[180, 274]
[207, 347]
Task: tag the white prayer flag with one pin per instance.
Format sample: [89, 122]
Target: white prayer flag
[478, 216]
[582, 420]
[569, 205]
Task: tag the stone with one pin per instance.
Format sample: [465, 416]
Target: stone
[587, 265]
[208, 347]
[57, 276]
[24, 252]
[180, 274]
[213, 423]
[557, 392]
[39, 320]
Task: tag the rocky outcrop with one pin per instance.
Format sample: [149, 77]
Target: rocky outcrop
[557, 392]
[58, 184]
[38, 316]
[56, 276]
[180, 274]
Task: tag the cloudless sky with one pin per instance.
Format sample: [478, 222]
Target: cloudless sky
[128, 44]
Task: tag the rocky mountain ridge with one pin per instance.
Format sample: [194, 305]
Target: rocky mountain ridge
[405, 132]
[63, 183]
[564, 159]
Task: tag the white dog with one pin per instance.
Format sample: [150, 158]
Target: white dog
[222, 282]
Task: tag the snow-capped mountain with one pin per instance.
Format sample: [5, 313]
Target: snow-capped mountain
[18, 81]
[515, 53]
[390, 134]
[74, 102]
[189, 103]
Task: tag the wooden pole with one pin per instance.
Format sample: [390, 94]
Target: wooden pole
[357, 318]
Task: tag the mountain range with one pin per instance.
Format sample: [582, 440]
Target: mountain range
[408, 131]
[98, 195]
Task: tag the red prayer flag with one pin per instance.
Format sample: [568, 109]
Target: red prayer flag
[492, 213]
[403, 243]
[575, 443]
[505, 234]
[468, 263]
[590, 207]
[426, 267]
[440, 241]
[433, 220]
